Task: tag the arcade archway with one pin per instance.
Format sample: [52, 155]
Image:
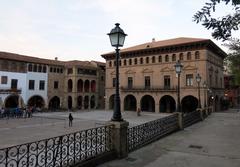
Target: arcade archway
[147, 103]
[130, 103]
[167, 104]
[189, 103]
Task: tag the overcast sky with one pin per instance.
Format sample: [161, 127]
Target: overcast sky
[76, 29]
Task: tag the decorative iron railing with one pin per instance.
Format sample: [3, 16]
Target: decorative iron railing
[143, 134]
[66, 150]
[191, 118]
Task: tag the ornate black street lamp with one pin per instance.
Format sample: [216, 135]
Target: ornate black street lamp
[198, 79]
[205, 92]
[117, 37]
[178, 68]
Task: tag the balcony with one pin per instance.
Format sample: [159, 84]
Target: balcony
[149, 89]
[10, 90]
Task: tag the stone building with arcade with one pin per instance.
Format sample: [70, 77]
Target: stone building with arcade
[50, 84]
[148, 79]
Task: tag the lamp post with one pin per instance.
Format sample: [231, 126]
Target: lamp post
[205, 92]
[117, 37]
[178, 68]
[198, 79]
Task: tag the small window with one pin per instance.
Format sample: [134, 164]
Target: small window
[114, 63]
[166, 82]
[55, 84]
[189, 80]
[125, 62]
[35, 68]
[44, 69]
[135, 61]
[159, 59]
[130, 82]
[197, 55]
[120, 63]
[114, 82]
[189, 56]
[58, 70]
[181, 56]
[4, 79]
[102, 78]
[39, 68]
[166, 58]
[41, 85]
[70, 71]
[110, 63]
[31, 85]
[14, 83]
[54, 69]
[30, 68]
[130, 62]
[174, 57]
[147, 60]
[51, 69]
[141, 60]
[147, 82]
[61, 70]
[153, 59]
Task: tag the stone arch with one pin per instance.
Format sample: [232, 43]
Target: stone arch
[147, 103]
[69, 102]
[189, 103]
[80, 85]
[93, 86]
[70, 85]
[92, 102]
[86, 102]
[36, 101]
[79, 102]
[111, 102]
[167, 104]
[54, 103]
[86, 86]
[11, 101]
[130, 103]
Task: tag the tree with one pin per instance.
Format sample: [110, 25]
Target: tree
[234, 58]
[222, 27]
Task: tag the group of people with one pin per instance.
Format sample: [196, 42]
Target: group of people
[16, 112]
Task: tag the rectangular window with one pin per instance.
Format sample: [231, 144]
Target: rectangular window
[114, 82]
[166, 82]
[130, 82]
[69, 70]
[4, 79]
[189, 80]
[55, 84]
[147, 82]
[41, 85]
[14, 83]
[31, 85]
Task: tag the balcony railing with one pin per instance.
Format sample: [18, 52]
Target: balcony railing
[149, 89]
[10, 90]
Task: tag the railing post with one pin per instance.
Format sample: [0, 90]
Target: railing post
[119, 138]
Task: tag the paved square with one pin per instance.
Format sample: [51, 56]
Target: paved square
[15, 131]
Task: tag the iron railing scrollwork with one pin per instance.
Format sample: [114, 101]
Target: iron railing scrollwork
[65, 150]
[143, 134]
[191, 118]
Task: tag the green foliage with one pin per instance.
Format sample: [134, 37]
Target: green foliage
[222, 27]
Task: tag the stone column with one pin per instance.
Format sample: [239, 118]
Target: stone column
[119, 138]
[180, 120]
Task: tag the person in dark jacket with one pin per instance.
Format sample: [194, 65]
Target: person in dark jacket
[70, 118]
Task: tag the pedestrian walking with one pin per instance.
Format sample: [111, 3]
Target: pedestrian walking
[70, 118]
[138, 112]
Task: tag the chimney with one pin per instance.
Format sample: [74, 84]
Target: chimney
[153, 39]
[56, 58]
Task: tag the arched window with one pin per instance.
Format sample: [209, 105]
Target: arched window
[197, 55]
[174, 57]
[141, 60]
[166, 58]
[159, 59]
[130, 62]
[135, 61]
[70, 85]
[189, 56]
[181, 56]
[120, 63]
[153, 59]
[147, 60]
[110, 63]
[125, 62]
